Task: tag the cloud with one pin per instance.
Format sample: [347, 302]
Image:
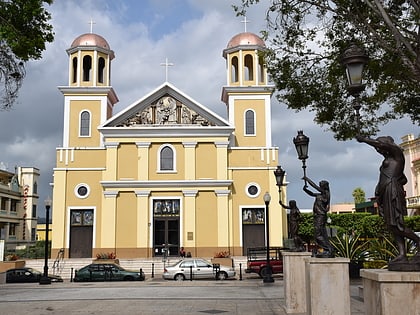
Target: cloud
[192, 35]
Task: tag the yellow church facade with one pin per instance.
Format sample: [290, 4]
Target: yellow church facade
[166, 172]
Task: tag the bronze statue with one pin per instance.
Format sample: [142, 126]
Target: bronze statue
[294, 220]
[390, 196]
[320, 210]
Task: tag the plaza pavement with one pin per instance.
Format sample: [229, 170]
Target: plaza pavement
[154, 296]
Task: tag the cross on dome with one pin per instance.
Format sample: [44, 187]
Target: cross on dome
[167, 65]
[91, 22]
[245, 21]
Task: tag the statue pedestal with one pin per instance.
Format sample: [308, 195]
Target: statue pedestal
[294, 281]
[327, 286]
[390, 292]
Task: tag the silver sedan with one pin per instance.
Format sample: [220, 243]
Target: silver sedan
[199, 269]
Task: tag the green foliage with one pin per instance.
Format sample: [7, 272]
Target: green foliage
[24, 31]
[307, 38]
[306, 227]
[350, 246]
[34, 251]
[413, 223]
[359, 195]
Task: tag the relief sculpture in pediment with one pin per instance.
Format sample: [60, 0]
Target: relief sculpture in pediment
[166, 111]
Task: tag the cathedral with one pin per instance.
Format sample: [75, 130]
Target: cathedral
[165, 172]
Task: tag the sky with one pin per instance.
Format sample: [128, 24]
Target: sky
[192, 35]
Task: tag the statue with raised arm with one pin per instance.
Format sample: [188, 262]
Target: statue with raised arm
[320, 209]
[390, 196]
[294, 220]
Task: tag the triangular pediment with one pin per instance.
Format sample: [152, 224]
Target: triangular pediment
[166, 106]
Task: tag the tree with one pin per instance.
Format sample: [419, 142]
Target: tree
[359, 195]
[307, 38]
[24, 31]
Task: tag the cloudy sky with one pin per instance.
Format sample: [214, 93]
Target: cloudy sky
[192, 35]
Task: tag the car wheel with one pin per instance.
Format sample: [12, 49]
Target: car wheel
[179, 277]
[263, 272]
[222, 275]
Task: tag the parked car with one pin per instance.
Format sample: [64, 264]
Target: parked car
[199, 269]
[257, 260]
[107, 272]
[20, 275]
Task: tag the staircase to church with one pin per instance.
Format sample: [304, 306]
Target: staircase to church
[67, 266]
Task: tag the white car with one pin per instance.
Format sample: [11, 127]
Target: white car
[199, 269]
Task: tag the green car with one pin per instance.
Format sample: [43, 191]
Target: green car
[107, 272]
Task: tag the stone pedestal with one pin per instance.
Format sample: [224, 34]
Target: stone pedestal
[294, 281]
[391, 292]
[327, 286]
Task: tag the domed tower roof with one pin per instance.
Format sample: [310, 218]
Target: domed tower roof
[246, 38]
[90, 39]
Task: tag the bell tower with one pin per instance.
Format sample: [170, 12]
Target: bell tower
[247, 93]
[89, 97]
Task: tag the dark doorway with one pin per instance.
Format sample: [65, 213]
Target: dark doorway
[253, 228]
[81, 233]
[166, 236]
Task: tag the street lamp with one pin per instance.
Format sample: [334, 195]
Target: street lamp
[44, 278]
[354, 59]
[268, 277]
[279, 174]
[302, 143]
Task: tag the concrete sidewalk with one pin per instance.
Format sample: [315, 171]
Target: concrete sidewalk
[153, 296]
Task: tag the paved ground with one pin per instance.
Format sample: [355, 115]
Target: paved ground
[153, 296]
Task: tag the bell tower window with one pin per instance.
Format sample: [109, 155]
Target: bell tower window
[249, 68]
[101, 70]
[84, 124]
[74, 70]
[261, 69]
[249, 122]
[234, 69]
[87, 67]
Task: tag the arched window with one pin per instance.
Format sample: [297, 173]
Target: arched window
[101, 68]
[249, 122]
[87, 67]
[74, 72]
[249, 68]
[166, 158]
[35, 188]
[84, 124]
[234, 69]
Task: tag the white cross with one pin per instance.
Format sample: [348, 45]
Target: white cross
[91, 22]
[167, 65]
[245, 21]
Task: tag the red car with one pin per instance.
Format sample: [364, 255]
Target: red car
[257, 260]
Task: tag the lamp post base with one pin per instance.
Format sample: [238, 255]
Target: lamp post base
[44, 280]
[268, 279]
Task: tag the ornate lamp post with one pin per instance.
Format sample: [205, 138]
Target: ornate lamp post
[268, 277]
[44, 278]
[302, 143]
[279, 174]
[354, 58]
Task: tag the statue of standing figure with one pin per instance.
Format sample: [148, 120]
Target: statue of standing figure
[320, 210]
[294, 221]
[390, 196]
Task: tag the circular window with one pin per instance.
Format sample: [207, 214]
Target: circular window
[82, 190]
[252, 190]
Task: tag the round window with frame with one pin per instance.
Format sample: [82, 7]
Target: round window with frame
[252, 190]
[82, 191]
